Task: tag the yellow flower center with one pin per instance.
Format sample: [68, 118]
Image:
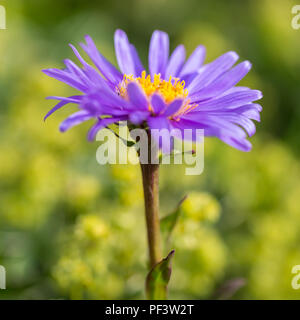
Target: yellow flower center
[169, 90]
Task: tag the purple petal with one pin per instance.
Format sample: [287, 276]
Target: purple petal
[231, 100]
[157, 103]
[158, 53]
[100, 124]
[66, 77]
[109, 71]
[188, 78]
[229, 133]
[257, 106]
[233, 90]
[194, 62]
[190, 126]
[175, 63]
[250, 111]
[107, 97]
[241, 120]
[79, 73]
[162, 137]
[137, 96]
[77, 54]
[75, 119]
[137, 62]
[252, 114]
[137, 117]
[240, 144]
[158, 123]
[173, 107]
[224, 129]
[103, 102]
[124, 53]
[72, 99]
[58, 106]
[224, 82]
[211, 71]
[212, 125]
[93, 75]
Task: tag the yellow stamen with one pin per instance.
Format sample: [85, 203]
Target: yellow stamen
[169, 90]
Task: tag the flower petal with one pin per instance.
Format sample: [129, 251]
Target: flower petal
[108, 98]
[137, 117]
[66, 77]
[110, 72]
[160, 132]
[103, 102]
[225, 131]
[224, 82]
[158, 53]
[72, 99]
[137, 96]
[124, 53]
[175, 62]
[251, 111]
[194, 62]
[100, 124]
[158, 123]
[58, 106]
[75, 119]
[157, 103]
[79, 73]
[173, 107]
[137, 61]
[240, 144]
[211, 71]
[227, 121]
[241, 120]
[93, 75]
[231, 100]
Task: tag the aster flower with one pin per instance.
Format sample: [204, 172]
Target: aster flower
[175, 94]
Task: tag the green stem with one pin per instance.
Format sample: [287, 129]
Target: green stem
[150, 174]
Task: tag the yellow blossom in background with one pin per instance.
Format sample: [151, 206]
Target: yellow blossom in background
[201, 207]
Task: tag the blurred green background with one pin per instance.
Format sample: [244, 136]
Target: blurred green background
[72, 229]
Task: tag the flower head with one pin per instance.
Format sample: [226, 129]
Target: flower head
[175, 94]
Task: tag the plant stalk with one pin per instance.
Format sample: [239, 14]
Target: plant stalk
[150, 175]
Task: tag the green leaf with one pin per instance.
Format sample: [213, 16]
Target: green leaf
[173, 155]
[168, 222]
[158, 278]
[126, 142]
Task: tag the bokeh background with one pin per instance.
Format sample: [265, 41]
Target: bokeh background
[72, 229]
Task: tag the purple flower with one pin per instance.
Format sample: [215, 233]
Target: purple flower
[175, 94]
